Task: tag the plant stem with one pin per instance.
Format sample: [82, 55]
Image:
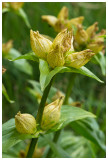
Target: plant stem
[42, 103]
[32, 147]
[39, 118]
[68, 92]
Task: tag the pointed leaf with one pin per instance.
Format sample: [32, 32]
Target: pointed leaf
[10, 136]
[44, 71]
[90, 130]
[83, 70]
[22, 64]
[70, 114]
[23, 15]
[28, 56]
[100, 60]
[5, 94]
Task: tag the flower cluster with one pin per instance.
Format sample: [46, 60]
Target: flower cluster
[61, 21]
[89, 39]
[83, 39]
[61, 51]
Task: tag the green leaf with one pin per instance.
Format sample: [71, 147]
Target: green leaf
[101, 60]
[10, 136]
[5, 94]
[83, 70]
[44, 71]
[14, 151]
[70, 114]
[23, 15]
[75, 145]
[28, 56]
[22, 64]
[57, 150]
[90, 130]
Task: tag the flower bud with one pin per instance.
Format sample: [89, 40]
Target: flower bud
[60, 25]
[76, 104]
[61, 44]
[81, 36]
[91, 31]
[58, 94]
[98, 37]
[79, 59]
[64, 40]
[51, 114]
[7, 46]
[25, 123]
[55, 57]
[63, 14]
[50, 19]
[96, 46]
[39, 44]
[16, 5]
[75, 21]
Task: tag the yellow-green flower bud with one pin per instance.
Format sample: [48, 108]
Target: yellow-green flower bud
[39, 44]
[91, 31]
[55, 57]
[7, 46]
[96, 46]
[51, 20]
[64, 39]
[79, 59]
[25, 123]
[51, 114]
[61, 44]
[81, 36]
[75, 21]
[60, 25]
[58, 94]
[98, 37]
[63, 14]
[16, 5]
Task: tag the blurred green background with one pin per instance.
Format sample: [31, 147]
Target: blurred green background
[90, 92]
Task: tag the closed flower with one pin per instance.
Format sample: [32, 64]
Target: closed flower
[51, 114]
[25, 123]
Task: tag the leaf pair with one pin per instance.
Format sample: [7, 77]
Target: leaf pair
[46, 74]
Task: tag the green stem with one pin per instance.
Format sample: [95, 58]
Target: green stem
[68, 93]
[39, 118]
[32, 147]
